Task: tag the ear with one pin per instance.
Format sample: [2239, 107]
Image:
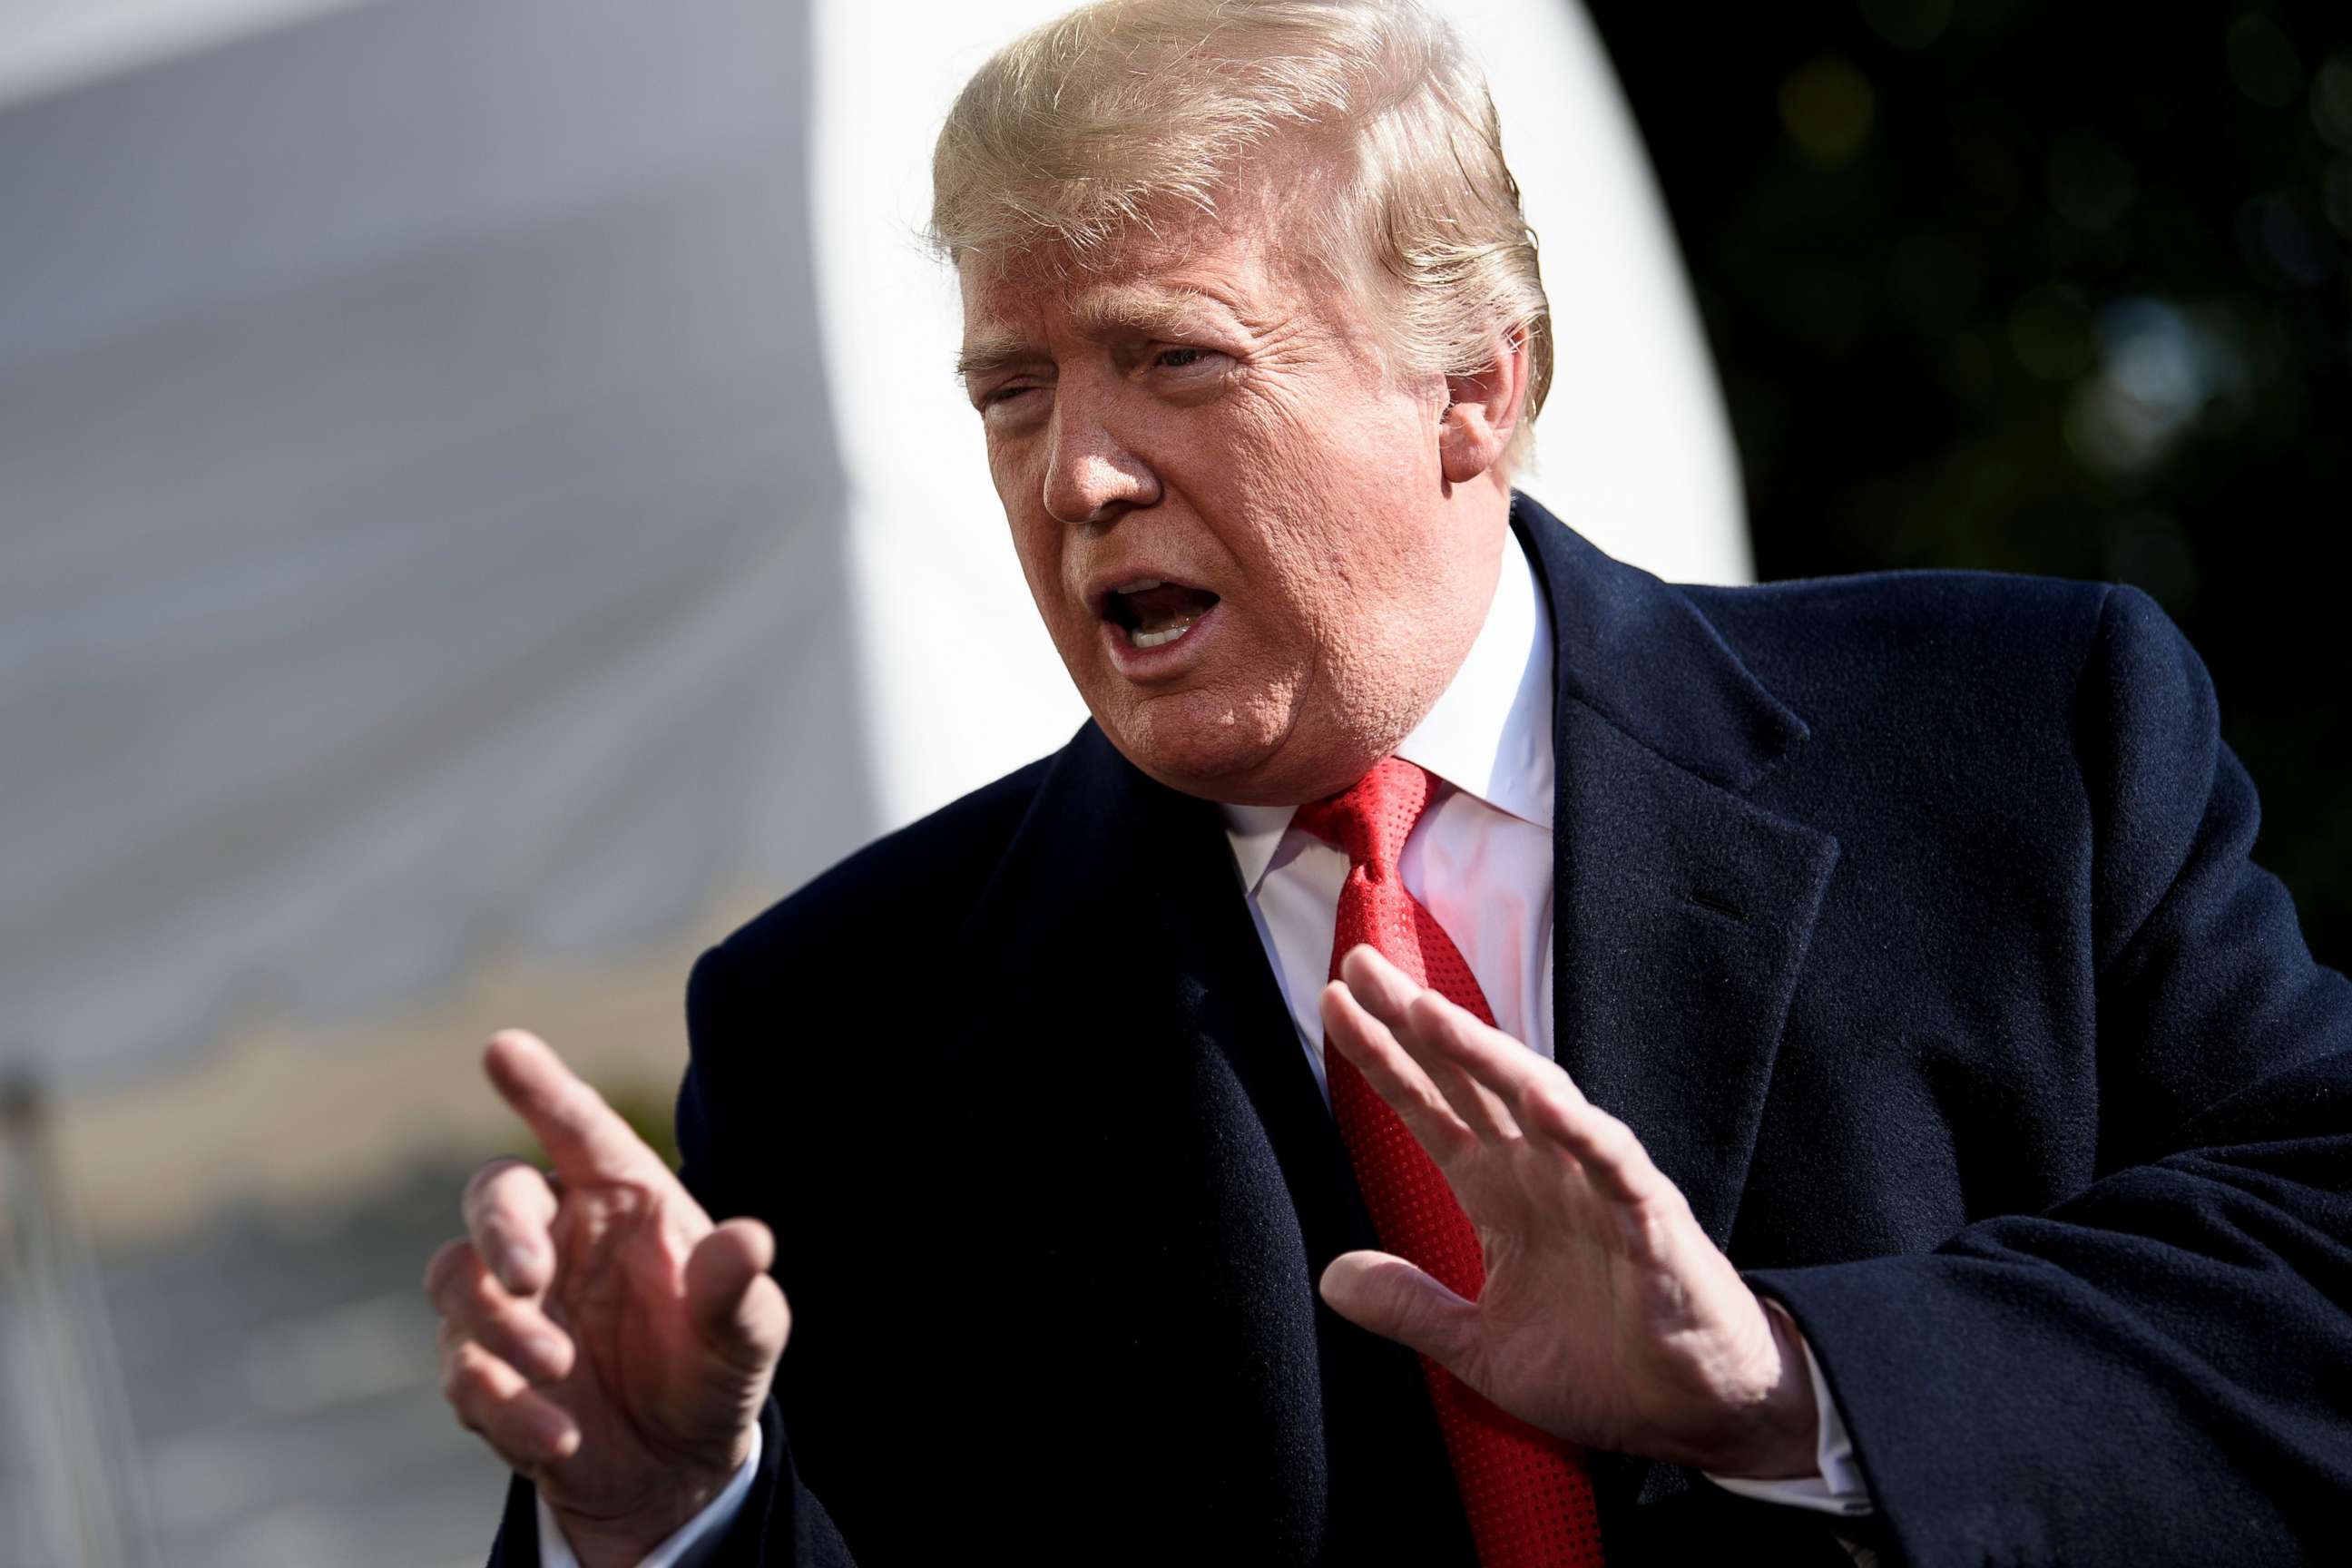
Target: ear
[1482, 410]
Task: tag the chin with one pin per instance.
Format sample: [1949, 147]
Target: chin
[1199, 744]
[1244, 757]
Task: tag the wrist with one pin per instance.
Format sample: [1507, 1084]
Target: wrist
[1778, 1435]
[622, 1538]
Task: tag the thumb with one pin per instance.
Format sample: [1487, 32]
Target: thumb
[737, 1310]
[1379, 1291]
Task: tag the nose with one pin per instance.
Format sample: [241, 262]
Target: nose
[1091, 476]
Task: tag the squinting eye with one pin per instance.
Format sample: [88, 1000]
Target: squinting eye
[1180, 359]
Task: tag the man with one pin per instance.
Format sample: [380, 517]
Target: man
[1891, 939]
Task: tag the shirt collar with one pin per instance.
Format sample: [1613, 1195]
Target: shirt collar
[1489, 735]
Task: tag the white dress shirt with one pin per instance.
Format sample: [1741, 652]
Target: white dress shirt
[1480, 859]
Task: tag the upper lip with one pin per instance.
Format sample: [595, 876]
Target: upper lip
[1103, 584]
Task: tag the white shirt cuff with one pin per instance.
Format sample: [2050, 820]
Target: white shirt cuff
[686, 1545]
[1836, 1484]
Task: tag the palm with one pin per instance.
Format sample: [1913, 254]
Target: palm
[649, 1394]
[1607, 1316]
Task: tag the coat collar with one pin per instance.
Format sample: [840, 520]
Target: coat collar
[1681, 911]
[1681, 914]
[1639, 654]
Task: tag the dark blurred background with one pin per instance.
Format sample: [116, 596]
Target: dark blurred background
[2050, 289]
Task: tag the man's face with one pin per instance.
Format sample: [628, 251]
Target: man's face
[1230, 514]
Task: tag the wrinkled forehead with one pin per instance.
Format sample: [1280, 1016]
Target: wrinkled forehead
[1005, 312]
[1248, 266]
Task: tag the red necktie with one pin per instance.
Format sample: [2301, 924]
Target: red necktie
[1527, 1495]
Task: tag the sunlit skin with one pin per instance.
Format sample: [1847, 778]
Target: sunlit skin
[1197, 407]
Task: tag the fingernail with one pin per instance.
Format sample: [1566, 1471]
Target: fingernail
[546, 1350]
[547, 1433]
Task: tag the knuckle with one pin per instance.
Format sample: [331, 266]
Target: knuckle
[446, 1258]
[482, 1186]
[473, 1421]
[467, 1385]
[500, 1333]
[469, 1298]
[495, 1225]
[478, 1296]
[483, 1174]
[1621, 1143]
[456, 1384]
[1557, 1099]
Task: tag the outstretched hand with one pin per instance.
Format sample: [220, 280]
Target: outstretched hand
[1607, 1317]
[600, 1332]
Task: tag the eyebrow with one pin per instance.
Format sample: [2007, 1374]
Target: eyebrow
[1117, 308]
[1108, 312]
[988, 351]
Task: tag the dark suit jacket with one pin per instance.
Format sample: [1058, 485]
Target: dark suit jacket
[1907, 919]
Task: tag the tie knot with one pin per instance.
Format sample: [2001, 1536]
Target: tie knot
[1371, 818]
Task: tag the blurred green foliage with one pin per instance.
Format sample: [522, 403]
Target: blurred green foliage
[2050, 289]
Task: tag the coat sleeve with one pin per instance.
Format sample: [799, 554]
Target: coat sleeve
[2158, 1369]
[781, 1524]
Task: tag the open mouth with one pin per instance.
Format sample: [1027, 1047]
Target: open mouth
[1153, 613]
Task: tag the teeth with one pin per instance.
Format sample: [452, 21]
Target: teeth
[1141, 586]
[1137, 638]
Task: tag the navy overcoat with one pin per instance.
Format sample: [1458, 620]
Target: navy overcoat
[1910, 921]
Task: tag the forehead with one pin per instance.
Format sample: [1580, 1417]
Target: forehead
[1146, 285]
[1252, 264]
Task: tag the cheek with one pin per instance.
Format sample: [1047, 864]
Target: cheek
[1036, 538]
[1340, 546]
[1353, 455]
[1007, 473]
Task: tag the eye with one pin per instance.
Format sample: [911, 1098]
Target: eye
[1179, 359]
[996, 397]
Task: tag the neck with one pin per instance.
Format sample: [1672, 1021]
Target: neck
[1415, 666]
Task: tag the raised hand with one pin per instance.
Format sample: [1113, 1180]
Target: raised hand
[1608, 1318]
[598, 1332]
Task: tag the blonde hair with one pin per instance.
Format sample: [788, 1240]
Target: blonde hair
[1104, 121]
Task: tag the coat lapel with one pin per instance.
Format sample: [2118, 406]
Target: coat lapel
[1211, 1178]
[1681, 909]
[1127, 890]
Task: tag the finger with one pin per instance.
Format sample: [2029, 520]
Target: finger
[585, 1137]
[470, 1300]
[509, 1209]
[1393, 1074]
[1391, 996]
[1382, 1292]
[1544, 1100]
[738, 1310]
[492, 1399]
[1612, 1156]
